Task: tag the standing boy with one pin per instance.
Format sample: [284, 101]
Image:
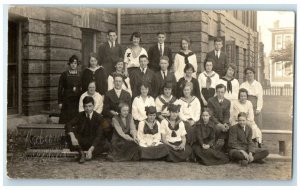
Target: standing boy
[110, 52]
[218, 57]
[163, 76]
[140, 75]
[158, 50]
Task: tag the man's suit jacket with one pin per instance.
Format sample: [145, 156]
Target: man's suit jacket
[220, 113]
[154, 56]
[109, 56]
[111, 101]
[159, 82]
[219, 64]
[240, 139]
[86, 130]
[137, 78]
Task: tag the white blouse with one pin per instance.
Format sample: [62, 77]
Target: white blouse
[98, 100]
[130, 60]
[235, 89]
[138, 107]
[159, 105]
[110, 84]
[146, 140]
[237, 107]
[167, 132]
[190, 110]
[254, 89]
[202, 80]
[179, 65]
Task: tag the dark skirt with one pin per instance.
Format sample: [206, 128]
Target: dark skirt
[154, 152]
[69, 110]
[123, 150]
[191, 133]
[209, 156]
[179, 155]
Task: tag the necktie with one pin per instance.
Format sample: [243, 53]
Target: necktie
[88, 115]
[164, 74]
[143, 70]
[160, 50]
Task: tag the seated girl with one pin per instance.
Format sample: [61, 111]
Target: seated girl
[232, 84]
[207, 82]
[149, 137]
[164, 100]
[98, 99]
[188, 77]
[244, 105]
[173, 135]
[204, 149]
[190, 111]
[124, 140]
[141, 102]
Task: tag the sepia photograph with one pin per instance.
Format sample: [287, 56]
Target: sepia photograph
[149, 93]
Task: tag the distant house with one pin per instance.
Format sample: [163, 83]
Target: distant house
[281, 72]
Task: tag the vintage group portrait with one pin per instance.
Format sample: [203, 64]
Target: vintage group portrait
[139, 93]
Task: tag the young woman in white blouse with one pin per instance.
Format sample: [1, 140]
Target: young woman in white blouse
[163, 100]
[174, 136]
[232, 84]
[190, 111]
[120, 70]
[184, 56]
[132, 54]
[149, 137]
[207, 82]
[244, 105]
[255, 94]
[141, 102]
[98, 99]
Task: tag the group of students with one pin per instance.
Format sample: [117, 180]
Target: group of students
[152, 108]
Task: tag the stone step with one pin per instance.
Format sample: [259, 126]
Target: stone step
[277, 157]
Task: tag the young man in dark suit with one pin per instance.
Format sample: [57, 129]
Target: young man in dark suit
[158, 50]
[110, 52]
[241, 146]
[220, 114]
[111, 103]
[218, 57]
[84, 132]
[140, 75]
[163, 76]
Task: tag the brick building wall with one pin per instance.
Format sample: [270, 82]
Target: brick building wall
[51, 35]
[241, 41]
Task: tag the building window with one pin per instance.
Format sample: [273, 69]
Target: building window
[14, 82]
[283, 69]
[88, 45]
[279, 69]
[278, 42]
[287, 39]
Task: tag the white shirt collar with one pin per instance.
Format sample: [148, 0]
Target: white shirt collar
[111, 43]
[91, 115]
[144, 69]
[162, 72]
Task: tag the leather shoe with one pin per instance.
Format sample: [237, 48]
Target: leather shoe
[81, 160]
[243, 163]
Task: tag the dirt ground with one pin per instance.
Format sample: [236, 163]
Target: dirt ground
[68, 168]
